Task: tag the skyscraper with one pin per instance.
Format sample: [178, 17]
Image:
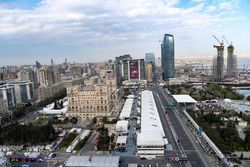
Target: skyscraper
[231, 62]
[218, 63]
[167, 57]
[150, 58]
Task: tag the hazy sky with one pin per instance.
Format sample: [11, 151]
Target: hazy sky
[95, 30]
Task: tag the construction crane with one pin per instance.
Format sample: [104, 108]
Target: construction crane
[226, 40]
[221, 43]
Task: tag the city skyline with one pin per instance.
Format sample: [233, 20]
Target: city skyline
[96, 31]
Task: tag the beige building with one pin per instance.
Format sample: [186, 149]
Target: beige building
[43, 92]
[92, 100]
[49, 75]
[149, 72]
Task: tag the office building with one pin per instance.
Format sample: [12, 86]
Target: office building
[7, 94]
[133, 69]
[29, 74]
[117, 67]
[150, 59]
[24, 91]
[231, 62]
[168, 57]
[93, 100]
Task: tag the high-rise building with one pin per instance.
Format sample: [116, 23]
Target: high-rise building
[133, 69]
[168, 57]
[218, 64]
[117, 67]
[149, 72]
[231, 62]
[150, 58]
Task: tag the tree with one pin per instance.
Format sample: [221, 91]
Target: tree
[74, 120]
[248, 98]
[241, 156]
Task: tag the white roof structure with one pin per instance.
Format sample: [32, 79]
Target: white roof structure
[151, 127]
[150, 138]
[126, 110]
[184, 99]
[94, 161]
[49, 109]
[121, 139]
[122, 125]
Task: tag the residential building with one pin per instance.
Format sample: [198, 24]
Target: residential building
[49, 75]
[133, 69]
[29, 74]
[168, 57]
[43, 92]
[93, 100]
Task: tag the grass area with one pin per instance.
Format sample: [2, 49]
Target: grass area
[41, 121]
[240, 145]
[68, 140]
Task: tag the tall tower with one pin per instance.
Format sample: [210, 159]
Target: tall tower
[218, 62]
[218, 68]
[231, 62]
[167, 56]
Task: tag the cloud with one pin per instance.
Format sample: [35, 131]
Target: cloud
[109, 20]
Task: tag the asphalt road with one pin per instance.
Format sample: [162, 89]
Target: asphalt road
[184, 140]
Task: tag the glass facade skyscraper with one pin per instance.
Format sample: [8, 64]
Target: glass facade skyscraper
[167, 57]
[150, 58]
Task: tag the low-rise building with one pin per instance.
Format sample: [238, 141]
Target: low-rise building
[92, 161]
[150, 141]
[122, 127]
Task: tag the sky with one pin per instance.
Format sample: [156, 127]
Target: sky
[97, 30]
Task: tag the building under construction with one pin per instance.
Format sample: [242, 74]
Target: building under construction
[218, 62]
[231, 62]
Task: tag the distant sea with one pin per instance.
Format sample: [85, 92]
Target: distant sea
[244, 62]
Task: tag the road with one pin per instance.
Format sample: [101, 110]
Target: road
[89, 147]
[174, 130]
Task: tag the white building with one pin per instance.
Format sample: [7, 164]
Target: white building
[122, 127]
[49, 109]
[121, 141]
[126, 110]
[150, 142]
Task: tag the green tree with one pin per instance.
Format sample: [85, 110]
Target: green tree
[74, 120]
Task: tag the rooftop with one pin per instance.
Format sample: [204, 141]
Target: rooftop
[184, 99]
[93, 161]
